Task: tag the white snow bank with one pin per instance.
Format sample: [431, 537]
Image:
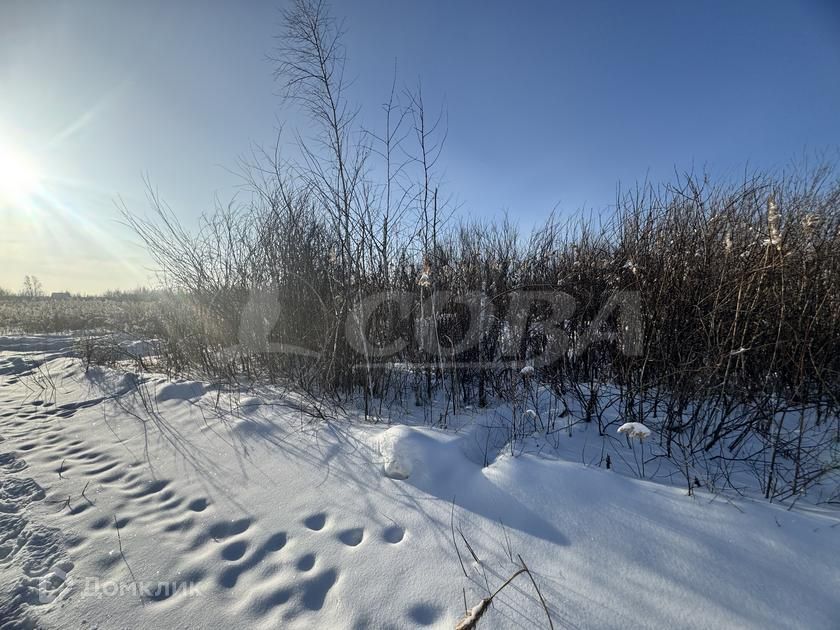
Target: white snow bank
[140, 348]
[634, 430]
[36, 343]
[187, 390]
[250, 405]
[408, 449]
[296, 526]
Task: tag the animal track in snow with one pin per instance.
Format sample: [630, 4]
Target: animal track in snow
[235, 550]
[226, 529]
[144, 489]
[308, 594]
[197, 505]
[39, 553]
[9, 463]
[16, 493]
[424, 614]
[316, 522]
[393, 534]
[306, 562]
[230, 575]
[309, 590]
[33, 557]
[352, 537]
[11, 527]
[314, 591]
[278, 575]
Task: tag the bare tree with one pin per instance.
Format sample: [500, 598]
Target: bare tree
[32, 287]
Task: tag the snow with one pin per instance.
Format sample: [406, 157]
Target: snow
[473, 615]
[634, 430]
[137, 502]
[401, 452]
[179, 391]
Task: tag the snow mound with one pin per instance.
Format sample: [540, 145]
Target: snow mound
[180, 391]
[426, 455]
[250, 405]
[140, 348]
[634, 429]
[398, 468]
[37, 343]
[400, 452]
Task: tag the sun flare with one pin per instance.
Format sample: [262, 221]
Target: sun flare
[19, 176]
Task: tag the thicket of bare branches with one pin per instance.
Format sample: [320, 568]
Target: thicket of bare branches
[737, 284]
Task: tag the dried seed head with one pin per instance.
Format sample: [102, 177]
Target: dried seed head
[773, 220]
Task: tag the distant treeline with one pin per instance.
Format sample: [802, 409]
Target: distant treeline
[33, 290]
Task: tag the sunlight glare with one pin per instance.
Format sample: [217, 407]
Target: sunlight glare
[19, 176]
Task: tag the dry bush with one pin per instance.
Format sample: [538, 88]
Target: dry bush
[738, 285]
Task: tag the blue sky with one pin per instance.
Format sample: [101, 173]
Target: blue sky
[548, 104]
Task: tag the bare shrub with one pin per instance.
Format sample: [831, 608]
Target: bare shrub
[735, 355]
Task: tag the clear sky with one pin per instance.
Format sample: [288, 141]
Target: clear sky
[549, 104]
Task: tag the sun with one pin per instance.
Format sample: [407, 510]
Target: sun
[19, 176]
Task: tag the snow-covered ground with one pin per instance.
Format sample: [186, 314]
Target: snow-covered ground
[131, 501]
